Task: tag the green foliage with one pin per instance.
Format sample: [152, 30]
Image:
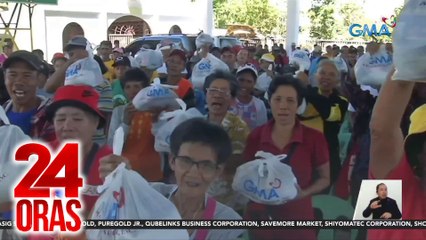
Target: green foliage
[260, 14]
[323, 22]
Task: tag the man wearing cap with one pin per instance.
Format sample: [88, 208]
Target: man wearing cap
[266, 72]
[251, 109]
[208, 64]
[76, 49]
[393, 158]
[166, 47]
[175, 63]
[22, 71]
[105, 51]
[121, 66]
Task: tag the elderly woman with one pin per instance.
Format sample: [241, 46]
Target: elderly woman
[326, 109]
[76, 116]
[221, 89]
[307, 153]
[199, 152]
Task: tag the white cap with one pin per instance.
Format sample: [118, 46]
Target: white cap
[248, 67]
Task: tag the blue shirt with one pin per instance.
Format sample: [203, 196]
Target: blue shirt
[22, 120]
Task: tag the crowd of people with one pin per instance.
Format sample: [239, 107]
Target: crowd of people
[338, 132]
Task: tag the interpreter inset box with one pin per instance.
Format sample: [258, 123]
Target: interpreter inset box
[379, 200]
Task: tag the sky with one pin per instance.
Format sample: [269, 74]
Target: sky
[381, 8]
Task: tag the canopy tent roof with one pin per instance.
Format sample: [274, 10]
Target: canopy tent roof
[241, 31]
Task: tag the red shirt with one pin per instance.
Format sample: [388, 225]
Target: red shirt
[310, 153]
[413, 205]
[93, 176]
[91, 179]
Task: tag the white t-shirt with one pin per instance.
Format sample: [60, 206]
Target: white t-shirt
[222, 212]
[254, 113]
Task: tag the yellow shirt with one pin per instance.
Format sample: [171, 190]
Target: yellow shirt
[110, 75]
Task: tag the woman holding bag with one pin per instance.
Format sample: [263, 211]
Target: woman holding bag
[75, 115]
[307, 154]
[199, 152]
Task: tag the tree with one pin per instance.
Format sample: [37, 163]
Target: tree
[323, 21]
[350, 13]
[260, 14]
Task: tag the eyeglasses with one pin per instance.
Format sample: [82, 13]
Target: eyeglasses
[206, 167]
[218, 91]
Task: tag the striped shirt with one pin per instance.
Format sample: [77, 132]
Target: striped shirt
[105, 105]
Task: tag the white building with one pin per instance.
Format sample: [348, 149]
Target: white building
[97, 16]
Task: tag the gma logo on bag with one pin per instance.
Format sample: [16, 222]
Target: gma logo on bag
[263, 193]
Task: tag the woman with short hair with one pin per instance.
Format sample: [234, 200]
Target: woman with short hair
[307, 155]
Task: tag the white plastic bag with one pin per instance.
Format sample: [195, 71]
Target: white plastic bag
[11, 137]
[341, 64]
[163, 133]
[85, 71]
[267, 180]
[408, 40]
[373, 69]
[263, 82]
[156, 96]
[127, 195]
[301, 59]
[204, 68]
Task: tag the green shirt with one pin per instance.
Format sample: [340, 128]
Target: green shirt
[119, 97]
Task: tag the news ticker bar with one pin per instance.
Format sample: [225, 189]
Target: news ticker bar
[241, 224]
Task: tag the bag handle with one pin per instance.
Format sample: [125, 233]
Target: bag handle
[3, 116]
[172, 114]
[208, 215]
[157, 82]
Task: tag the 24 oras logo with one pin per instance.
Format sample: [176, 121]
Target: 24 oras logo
[40, 205]
[373, 30]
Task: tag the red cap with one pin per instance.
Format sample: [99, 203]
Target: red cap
[236, 49]
[179, 53]
[81, 96]
[57, 56]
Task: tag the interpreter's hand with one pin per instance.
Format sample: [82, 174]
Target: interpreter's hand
[109, 163]
[386, 215]
[129, 112]
[375, 205]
